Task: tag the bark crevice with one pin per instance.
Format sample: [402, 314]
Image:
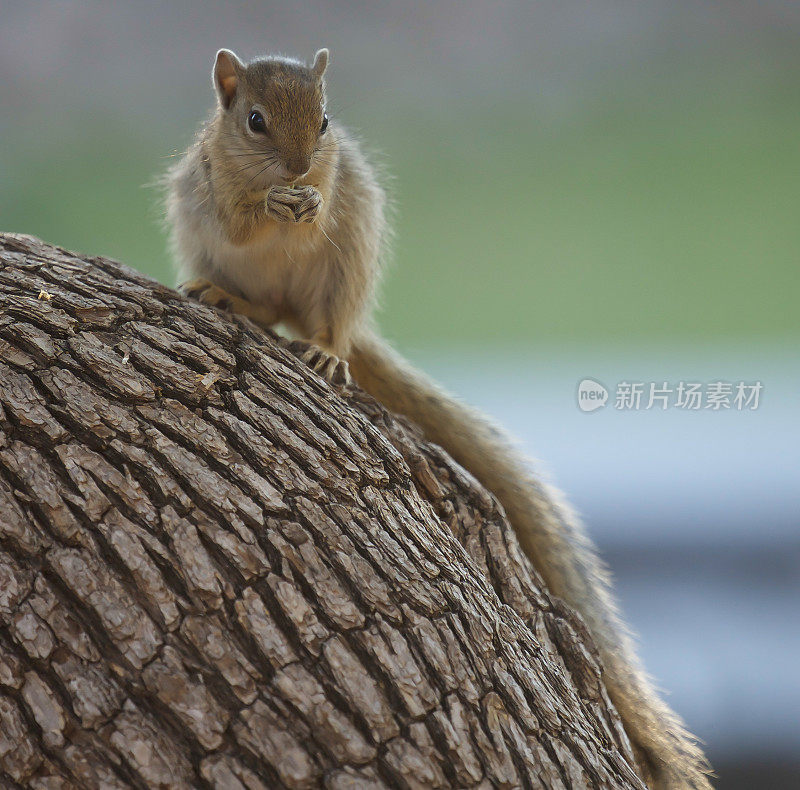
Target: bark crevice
[217, 571]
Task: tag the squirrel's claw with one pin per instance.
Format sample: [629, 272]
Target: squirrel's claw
[308, 209]
[333, 369]
[293, 204]
[206, 292]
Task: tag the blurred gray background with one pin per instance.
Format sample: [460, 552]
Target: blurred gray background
[583, 189]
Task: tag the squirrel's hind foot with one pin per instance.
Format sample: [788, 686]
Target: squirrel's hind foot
[333, 369]
[206, 292]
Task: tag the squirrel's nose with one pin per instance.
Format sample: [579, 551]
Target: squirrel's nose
[298, 167]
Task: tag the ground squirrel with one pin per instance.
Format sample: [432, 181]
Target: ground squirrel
[275, 213]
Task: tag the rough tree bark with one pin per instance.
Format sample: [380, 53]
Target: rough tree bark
[217, 571]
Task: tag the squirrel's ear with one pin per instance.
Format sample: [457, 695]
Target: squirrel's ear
[227, 70]
[320, 63]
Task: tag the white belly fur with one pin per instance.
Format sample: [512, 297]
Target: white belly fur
[272, 269]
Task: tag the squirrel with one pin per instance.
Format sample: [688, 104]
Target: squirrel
[276, 214]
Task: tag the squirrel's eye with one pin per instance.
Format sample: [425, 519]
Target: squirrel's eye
[256, 122]
[324, 123]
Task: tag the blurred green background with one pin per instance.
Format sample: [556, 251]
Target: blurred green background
[650, 192]
[604, 188]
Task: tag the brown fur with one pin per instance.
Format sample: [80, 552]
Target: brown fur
[320, 277]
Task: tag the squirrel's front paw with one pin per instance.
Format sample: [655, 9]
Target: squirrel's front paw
[293, 204]
[333, 369]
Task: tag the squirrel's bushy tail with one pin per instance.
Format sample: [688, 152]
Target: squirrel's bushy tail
[555, 542]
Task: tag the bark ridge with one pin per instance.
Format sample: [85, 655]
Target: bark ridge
[217, 571]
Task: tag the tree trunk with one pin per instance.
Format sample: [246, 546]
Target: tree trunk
[218, 571]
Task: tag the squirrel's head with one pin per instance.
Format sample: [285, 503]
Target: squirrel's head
[272, 118]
